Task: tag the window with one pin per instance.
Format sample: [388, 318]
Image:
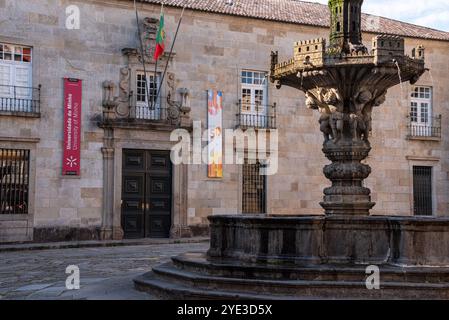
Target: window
[253, 188]
[254, 92]
[147, 110]
[16, 93]
[14, 181]
[254, 109]
[421, 111]
[422, 191]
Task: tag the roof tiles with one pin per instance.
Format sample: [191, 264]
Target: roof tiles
[300, 12]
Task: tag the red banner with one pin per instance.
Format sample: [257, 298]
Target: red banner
[72, 127]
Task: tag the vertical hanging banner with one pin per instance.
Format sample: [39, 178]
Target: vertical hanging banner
[72, 127]
[215, 136]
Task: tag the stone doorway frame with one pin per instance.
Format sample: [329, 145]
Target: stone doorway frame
[112, 192]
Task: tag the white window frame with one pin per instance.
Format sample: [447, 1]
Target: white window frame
[18, 96]
[253, 82]
[143, 108]
[421, 109]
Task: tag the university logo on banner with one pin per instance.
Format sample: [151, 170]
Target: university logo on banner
[215, 133]
[72, 127]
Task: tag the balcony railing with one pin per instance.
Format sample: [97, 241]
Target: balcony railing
[431, 130]
[263, 117]
[153, 111]
[17, 99]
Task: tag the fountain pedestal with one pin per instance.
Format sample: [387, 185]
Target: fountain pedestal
[347, 196]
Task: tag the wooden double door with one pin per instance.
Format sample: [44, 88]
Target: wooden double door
[146, 194]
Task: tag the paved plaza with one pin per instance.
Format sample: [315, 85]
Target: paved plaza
[105, 272]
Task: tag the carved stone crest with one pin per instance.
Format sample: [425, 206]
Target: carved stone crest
[148, 33]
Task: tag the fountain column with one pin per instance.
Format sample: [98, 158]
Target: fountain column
[345, 122]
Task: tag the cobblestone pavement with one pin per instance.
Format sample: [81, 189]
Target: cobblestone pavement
[105, 273]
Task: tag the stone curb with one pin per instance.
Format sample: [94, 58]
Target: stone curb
[96, 243]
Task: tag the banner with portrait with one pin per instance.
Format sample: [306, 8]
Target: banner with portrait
[215, 133]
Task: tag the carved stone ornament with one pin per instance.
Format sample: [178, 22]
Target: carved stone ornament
[121, 109]
[148, 32]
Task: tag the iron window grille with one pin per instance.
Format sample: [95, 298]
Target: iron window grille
[422, 191]
[14, 181]
[253, 188]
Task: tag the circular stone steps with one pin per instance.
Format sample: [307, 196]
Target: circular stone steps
[193, 276]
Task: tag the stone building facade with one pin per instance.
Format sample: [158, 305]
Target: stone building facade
[128, 186]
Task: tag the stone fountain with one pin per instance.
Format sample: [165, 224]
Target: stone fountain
[278, 257]
[345, 82]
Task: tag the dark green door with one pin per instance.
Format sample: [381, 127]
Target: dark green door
[146, 194]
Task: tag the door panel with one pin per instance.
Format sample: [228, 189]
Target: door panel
[159, 204]
[159, 163]
[133, 190]
[133, 160]
[159, 226]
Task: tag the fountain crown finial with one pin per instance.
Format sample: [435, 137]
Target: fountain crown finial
[346, 22]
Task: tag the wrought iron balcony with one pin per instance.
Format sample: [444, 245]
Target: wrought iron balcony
[425, 131]
[164, 110]
[17, 100]
[133, 111]
[256, 116]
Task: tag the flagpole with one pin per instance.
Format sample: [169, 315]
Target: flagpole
[170, 54]
[154, 102]
[142, 53]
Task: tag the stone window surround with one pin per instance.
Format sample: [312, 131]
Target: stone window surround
[29, 144]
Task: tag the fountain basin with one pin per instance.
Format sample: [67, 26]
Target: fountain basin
[280, 257]
[316, 240]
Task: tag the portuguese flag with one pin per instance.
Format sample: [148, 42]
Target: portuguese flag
[160, 38]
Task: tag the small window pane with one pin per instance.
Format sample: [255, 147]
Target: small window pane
[258, 99]
[424, 112]
[246, 100]
[414, 112]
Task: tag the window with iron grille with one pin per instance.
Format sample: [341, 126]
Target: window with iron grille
[14, 181]
[422, 191]
[253, 188]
